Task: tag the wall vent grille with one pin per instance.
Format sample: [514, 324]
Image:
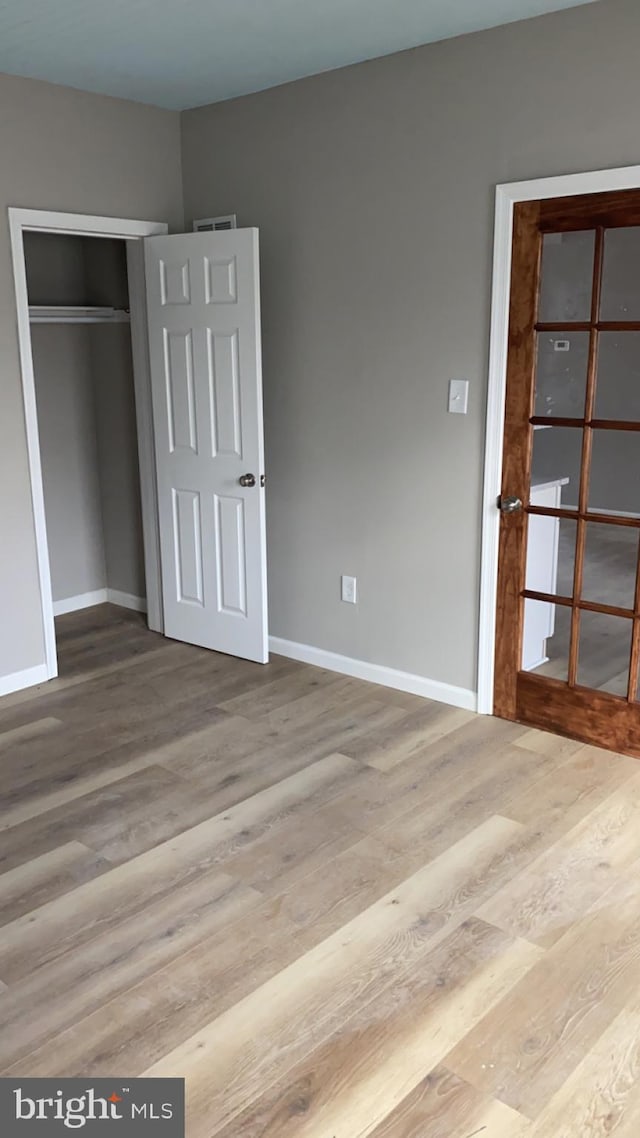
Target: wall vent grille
[211, 224]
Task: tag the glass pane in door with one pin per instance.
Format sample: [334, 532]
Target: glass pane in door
[618, 386]
[561, 374]
[621, 275]
[551, 554]
[614, 484]
[555, 463]
[566, 276]
[610, 565]
[546, 639]
[605, 652]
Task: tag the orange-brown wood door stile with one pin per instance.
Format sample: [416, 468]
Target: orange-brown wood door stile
[568, 619]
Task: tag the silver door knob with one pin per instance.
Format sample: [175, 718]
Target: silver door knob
[510, 505]
[247, 480]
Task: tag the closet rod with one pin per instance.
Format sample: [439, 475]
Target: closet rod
[76, 314]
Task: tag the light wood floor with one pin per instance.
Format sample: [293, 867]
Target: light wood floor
[337, 910]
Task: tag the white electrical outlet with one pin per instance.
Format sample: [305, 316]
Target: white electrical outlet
[349, 590]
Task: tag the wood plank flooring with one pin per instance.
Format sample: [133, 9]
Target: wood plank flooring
[337, 910]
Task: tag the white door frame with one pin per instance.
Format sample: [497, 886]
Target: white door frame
[569, 185]
[83, 225]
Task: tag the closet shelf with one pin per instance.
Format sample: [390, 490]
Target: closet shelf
[76, 314]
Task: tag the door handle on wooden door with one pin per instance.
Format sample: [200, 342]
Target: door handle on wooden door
[510, 505]
[247, 480]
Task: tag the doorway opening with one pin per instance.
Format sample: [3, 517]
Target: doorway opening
[560, 646]
[81, 310]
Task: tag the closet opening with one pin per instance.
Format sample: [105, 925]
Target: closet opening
[97, 497]
[79, 314]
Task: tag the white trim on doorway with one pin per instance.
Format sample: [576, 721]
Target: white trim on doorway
[593, 182]
[82, 225]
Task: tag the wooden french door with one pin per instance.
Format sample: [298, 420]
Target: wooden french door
[568, 622]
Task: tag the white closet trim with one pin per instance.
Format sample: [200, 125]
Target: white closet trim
[47, 221]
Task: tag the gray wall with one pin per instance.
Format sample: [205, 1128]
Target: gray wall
[66, 150]
[373, 189]
[68, 448]
[116, 427]
[112, 375]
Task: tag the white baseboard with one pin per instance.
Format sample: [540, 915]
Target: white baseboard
[26, 679]
[126, 600]
[100, 597]
[81, 601]
[376, 673]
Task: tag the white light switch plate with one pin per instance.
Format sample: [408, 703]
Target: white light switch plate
[349, 590]
[458, 396]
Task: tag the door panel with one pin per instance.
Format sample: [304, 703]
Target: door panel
[204, 337]
[231, 567]
[224, 393]
[568, 622]
[181, 396]
[187, 532]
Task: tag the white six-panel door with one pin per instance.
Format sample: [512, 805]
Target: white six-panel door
[204, 341]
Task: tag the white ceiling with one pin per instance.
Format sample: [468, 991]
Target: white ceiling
[183, 53]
